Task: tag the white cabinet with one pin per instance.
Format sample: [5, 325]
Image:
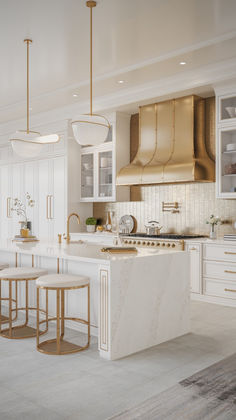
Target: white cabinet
[195, 251]
[51, 197]
[5, 202]
[226, 146]
[100, 164]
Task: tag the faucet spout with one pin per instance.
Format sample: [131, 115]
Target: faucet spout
[68, 226]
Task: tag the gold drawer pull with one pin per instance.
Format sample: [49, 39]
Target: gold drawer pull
[230, 290]
[229, 271]
[230, 253]
[193, 249]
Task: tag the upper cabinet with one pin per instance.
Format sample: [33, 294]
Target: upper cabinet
[100, 164]
[226, 146]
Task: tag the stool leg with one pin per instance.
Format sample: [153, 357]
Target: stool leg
[58, 321]
[46, 310]
[62, 313]
[0, 306]
[10, 308]
[26, 303]
[16, 294]
[37, 330]
[88, 314]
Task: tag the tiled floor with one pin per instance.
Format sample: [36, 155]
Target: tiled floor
[84, 387]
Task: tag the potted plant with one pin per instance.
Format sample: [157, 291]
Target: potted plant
[91, 224]
[213, 221]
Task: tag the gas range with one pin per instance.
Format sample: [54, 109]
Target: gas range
[164, 240]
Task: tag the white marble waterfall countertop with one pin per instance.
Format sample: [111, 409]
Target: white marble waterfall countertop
[86, 252]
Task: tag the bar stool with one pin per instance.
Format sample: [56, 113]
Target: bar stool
[61, 283]
[3, 318]
[17, 275]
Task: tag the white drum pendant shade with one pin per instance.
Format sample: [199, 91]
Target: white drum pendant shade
[24, 144]
[90, 130]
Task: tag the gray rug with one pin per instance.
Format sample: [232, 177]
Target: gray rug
[207, 395]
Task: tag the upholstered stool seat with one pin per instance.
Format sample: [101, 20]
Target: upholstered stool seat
[17, 275]
[61, 283]
[62, 280]
[4, 319]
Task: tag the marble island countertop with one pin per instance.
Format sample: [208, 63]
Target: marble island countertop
[77, 250]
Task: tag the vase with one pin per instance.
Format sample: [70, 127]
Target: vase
[29, 226]
[212, 232]
[91, 228]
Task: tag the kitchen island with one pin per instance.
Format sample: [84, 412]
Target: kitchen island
[137, 300]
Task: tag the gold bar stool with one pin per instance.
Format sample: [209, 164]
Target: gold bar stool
[61, 283]
[3, 318]
[17, 275]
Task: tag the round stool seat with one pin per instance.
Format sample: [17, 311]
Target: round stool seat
[23, 273]
[2, 266]
[56, 281]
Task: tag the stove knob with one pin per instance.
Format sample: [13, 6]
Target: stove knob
[153, 243]
[163, 244]
[173, 245]
[148, 243]
[138, 242]
[144, 243]
[134, 242]
[130, 242]
[168, 245]
[158, 243]
[126, 242]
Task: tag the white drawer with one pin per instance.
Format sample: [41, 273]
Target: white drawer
[219, 252]
[219, 270]
[219, 288]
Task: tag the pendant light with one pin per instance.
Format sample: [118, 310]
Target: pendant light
[90, 129]
[27, 143]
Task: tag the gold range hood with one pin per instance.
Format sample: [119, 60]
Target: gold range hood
[172, 145]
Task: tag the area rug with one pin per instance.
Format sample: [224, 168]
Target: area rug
[207, 395]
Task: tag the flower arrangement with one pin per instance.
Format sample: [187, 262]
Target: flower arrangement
[20, 208]
[213, 220]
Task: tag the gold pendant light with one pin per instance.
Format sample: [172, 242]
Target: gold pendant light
[27, 143]
[91, 129]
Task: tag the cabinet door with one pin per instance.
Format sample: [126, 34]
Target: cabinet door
[195, 267]
[31, 186]
[87, 177]
[44, 199]
[5, 202]
[58, 197]
[105, 174]
[16, 179]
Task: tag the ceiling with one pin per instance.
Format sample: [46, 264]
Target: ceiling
[140, 42]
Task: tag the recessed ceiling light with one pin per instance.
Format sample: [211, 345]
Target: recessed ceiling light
[121, 81]
[75, 95]
[182, 63]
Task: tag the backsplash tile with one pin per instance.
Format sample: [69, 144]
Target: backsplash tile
[197, 202]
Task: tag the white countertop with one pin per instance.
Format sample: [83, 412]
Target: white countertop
[86, 252]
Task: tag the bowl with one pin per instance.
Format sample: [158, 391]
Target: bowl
[231, 111]
[87, 166]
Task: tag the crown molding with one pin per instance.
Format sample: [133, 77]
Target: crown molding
[213, 75]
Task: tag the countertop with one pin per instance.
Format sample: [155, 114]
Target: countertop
[85, 251]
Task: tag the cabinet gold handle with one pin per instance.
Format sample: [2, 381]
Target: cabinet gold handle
[8, 207]
[230, 253]
[47, 216]
[50, 207]
[229, 271]
[230, 290]
[193, 249]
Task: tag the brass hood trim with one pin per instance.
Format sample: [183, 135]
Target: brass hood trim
[171, 145]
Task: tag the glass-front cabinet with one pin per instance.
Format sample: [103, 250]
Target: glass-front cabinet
[100, 164]
[226, 146]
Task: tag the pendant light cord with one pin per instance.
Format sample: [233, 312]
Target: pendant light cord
[28, 41]
[91, 61]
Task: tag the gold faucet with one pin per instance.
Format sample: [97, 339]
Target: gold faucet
[67, 237]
